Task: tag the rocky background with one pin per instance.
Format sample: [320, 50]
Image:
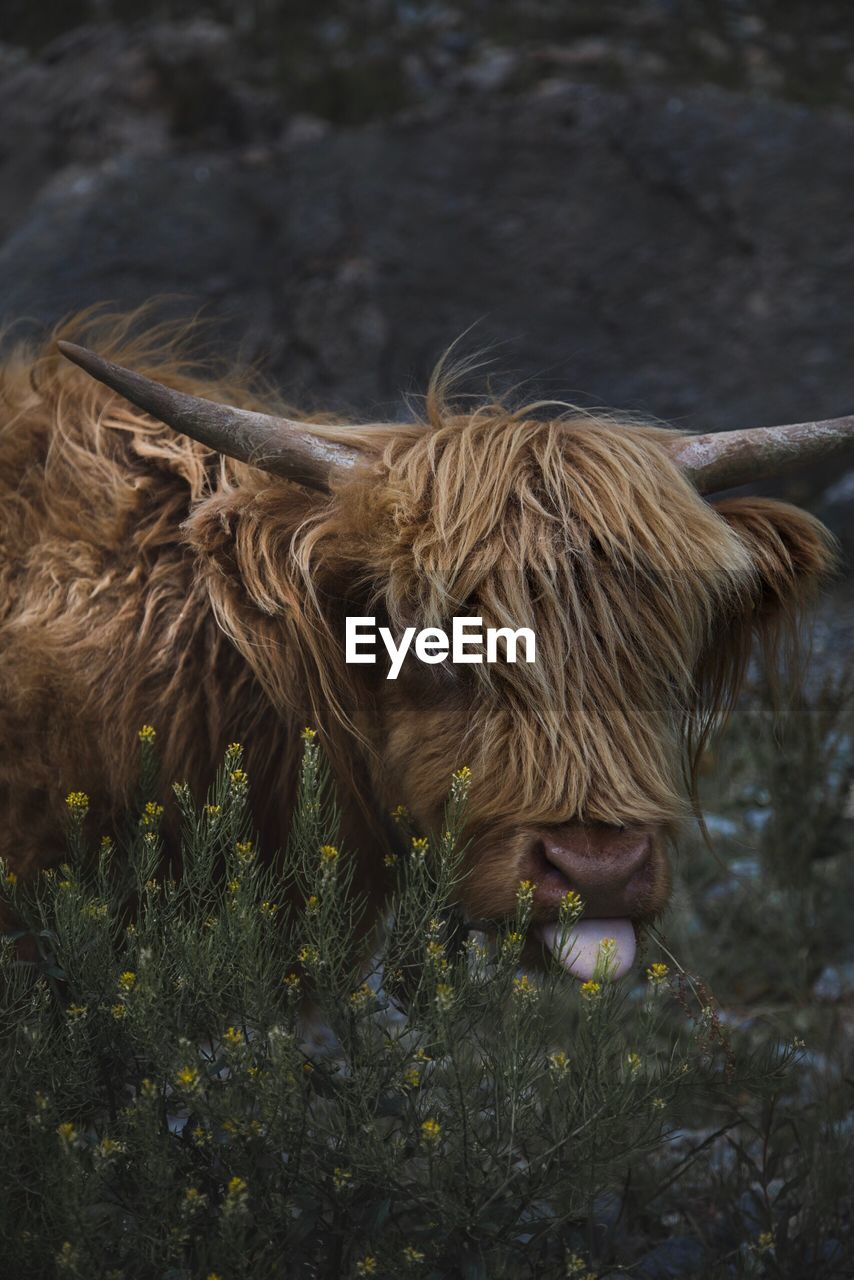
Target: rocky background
[644, 206]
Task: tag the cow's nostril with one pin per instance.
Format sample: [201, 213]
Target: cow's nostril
[548, 876]
[610, 868]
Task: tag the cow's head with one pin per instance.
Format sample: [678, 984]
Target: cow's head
[644, 598]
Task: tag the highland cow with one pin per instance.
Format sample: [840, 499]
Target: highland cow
[175, 551]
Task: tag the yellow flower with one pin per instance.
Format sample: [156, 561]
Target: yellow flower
[118, 1011]
[460, 783]
[435, 950]
[245, 850]
[633, 1060]
[77, 1011]
[213, 1275]
[400, 812]
[146, 733]
[108, 1149]
[308, 955]
[291, 981]
[66, 1133]
[148, 1088]
[419, 846]
[591, 990]
[308, 735]
[151, 815]
[312, 904]
[341, 1178]
[525, 892]
[390, 860]
[95, 910]
[11, 879]
[268, 909]
[658, 1104]
[236, 1196]
[360, 998]
[187, 1078]
[559, 1062]
[444, 996]
[412, 1256]
[366, 1266]
[765, 1242]
[213, 810]
[233, 1036]
[524, 989]
[656, 973]
[431, 1131]
[328, 854]
[411, 1077]
[476, 949]
[570, 904]
[194, 1198]
[127, 980]
[77, 803]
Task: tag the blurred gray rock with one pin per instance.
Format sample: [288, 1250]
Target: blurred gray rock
[835, 507]
[679, 1257]
[686, 254]
[834, 983]
[492, 69]
[742, 873]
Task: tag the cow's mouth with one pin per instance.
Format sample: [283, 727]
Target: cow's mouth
[615, 871]
[617, 876]
[592, 948]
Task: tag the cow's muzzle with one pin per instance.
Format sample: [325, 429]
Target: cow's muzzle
[617, 873]
[611, 868]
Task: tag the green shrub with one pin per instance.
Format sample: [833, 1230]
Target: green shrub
[227, 1074]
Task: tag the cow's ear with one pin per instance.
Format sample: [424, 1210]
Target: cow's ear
[791, 551]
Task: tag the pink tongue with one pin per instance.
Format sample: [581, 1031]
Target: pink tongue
[583, 946]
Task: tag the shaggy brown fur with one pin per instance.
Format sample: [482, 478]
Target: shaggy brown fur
[145, 579]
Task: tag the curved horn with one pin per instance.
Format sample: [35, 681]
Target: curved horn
[279, 445]
[725, 459]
